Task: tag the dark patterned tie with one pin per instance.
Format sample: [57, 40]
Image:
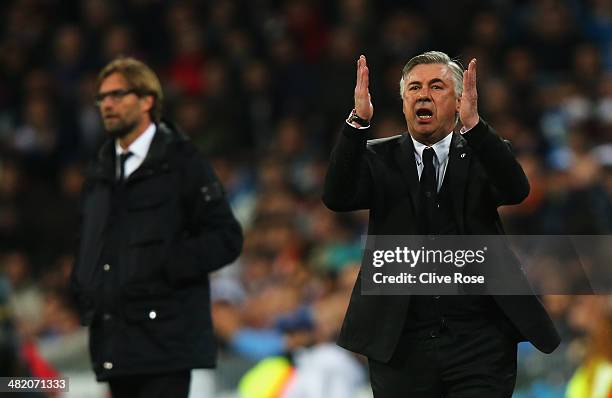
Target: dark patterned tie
[427, 193]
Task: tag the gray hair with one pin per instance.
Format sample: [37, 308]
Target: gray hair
[435, 57]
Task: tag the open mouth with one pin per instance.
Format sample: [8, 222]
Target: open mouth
[424, 114]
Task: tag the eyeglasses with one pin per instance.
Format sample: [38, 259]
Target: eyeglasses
[114, 95]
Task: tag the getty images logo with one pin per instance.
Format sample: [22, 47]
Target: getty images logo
[412, 257]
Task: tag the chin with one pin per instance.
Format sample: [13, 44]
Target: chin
[117, 132]
[120, 130]
[425, 131]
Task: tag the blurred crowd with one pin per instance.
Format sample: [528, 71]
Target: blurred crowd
[262, 87]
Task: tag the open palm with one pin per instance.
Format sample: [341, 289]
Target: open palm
[468, 111]
[363, 101]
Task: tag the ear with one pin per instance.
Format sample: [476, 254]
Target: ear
[458, 103]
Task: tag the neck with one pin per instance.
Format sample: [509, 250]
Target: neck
[130, 137]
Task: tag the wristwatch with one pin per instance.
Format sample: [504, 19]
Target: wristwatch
[353, 117]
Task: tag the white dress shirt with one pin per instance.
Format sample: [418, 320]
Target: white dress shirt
[139, 149]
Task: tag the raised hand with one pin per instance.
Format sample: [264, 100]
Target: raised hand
[363, 101]
[468, 111]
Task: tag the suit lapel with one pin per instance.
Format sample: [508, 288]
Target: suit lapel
[404, 157]
[457, 172]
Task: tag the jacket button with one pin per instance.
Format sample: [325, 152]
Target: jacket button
[436, 297]
[433, 334]
[106, 267]
[107, 317]
[152, 314]
[108, 365]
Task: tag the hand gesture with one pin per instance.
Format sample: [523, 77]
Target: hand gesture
[363, 101]
[468, 111]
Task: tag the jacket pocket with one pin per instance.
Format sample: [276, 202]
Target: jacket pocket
[149, 194]
[149, 303]
[143, 202]
[145, 236]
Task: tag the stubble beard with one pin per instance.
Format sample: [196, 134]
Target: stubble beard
[120, 129]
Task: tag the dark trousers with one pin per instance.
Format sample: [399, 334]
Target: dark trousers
[456, 363]
[175, 385]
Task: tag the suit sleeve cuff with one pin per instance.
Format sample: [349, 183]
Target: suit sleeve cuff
[477, 134]
[355, 134]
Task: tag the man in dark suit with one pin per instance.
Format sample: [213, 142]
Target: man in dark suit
[433, 181]
[155, 222]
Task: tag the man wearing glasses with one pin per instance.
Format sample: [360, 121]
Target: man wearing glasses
[155, 222]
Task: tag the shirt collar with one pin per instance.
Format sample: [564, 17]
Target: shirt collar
[441, 148]
[140, 146]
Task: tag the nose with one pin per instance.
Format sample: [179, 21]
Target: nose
[423, 94]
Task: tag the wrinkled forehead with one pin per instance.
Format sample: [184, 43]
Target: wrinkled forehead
[424, 73]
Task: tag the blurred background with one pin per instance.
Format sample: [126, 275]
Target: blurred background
[262, 87]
